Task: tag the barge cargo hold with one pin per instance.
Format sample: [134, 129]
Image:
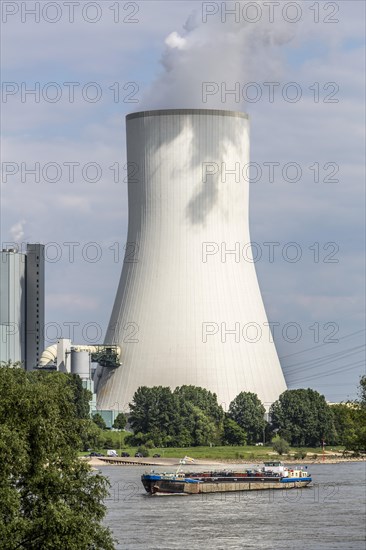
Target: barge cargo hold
[274, 475]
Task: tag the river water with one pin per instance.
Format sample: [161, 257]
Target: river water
[330, 515]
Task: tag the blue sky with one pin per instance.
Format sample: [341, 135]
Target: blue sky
[315, 293]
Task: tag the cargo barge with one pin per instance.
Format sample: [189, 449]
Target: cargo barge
[273, 475]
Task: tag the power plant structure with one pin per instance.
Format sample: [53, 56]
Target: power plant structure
[80, 359]
[22, 305]
[188, 308]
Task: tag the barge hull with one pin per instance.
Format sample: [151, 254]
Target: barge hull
[172, 487]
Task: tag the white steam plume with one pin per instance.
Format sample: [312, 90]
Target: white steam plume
[220, 52]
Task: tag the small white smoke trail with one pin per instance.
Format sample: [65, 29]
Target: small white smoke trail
[17, 231]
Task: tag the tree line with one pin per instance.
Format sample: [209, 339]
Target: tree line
[191, 416]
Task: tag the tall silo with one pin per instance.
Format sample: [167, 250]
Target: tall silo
[80, 363]
[188, 309]
[12, 306]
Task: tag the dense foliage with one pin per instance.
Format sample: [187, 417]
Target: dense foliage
[99, 421]
[350, 424]
[280, 446]
[49, 497]
[81, 396]
[303, 418]
[247, 411]
[120, 422]
[185, 417]
[233, 433]
[362, 391]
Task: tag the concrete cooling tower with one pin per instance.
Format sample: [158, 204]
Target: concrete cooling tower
[188, 308]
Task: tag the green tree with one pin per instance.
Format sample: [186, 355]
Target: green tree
[134, 440]
[194, 427]
[355, 438]
[344, 419]
[247, 411]
[303, 418]
[99, 421]
[120, 422]
[50, 499]
[362, 391]
[233, 433]
[281, 446]
[92, 437]
[187, 416]
[154, 411]
[355, 434]
[358, 443]
[82, 396]
[202, 398]
[204, 429]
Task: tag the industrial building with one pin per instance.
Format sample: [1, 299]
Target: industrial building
[22, 322]
[67, 357]
[188, 308]
[22, 292]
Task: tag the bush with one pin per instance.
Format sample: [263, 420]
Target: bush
[108, 443]
[129, 440]
[281, 446]
[143, 450]
[135, 440]
[314, 457]
[300, 455]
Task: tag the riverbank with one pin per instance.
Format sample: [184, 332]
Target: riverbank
[171, 462]
[223, 453]
[327, 460]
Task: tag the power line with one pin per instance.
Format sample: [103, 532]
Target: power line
[314, 363]
[345, 368]
[338, 385]
[321, 345]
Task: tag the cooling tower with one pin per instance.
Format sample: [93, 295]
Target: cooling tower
[188, 308]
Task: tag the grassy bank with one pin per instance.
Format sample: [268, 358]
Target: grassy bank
[246, 452]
